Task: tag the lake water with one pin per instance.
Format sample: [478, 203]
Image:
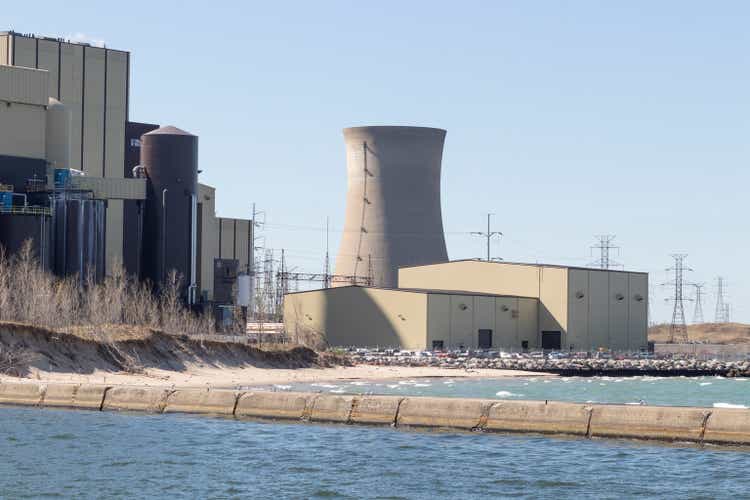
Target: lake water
[672, 391]
[78, 454]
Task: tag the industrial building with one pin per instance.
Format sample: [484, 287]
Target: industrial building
[393, 216]
[579, 308]
[93, 190]
[412, 319]
[477, 304]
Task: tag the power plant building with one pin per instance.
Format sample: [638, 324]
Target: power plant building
[92, 189]
[482, 305]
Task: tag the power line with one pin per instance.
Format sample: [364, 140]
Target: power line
[678, 328]
[698, 311]
[722, 312]
[604, 247]
[489, 234]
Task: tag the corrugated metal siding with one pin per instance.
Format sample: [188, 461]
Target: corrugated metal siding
[24, 85]
[24, 51]
[48, 59]
[111, 189]
[4, 54]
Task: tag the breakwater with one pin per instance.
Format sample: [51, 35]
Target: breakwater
[664, 423]
[572, 366]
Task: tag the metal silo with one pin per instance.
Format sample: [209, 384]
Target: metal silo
[170, 158]
[393, 216]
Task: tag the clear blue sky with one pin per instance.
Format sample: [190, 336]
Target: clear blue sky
[566, 119]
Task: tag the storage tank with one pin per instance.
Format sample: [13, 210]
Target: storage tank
[170, 158]
[393, 216]
[57, 143]
[79, 230]
[16, 229]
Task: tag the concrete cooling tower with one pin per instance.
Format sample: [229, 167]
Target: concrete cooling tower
[393, 214]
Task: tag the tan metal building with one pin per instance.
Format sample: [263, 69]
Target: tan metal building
[579, 308]
[412, 319]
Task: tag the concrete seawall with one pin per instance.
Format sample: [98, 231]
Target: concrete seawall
[662, 423]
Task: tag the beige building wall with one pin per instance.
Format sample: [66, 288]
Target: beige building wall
[71, 94]
[24, 52]
[590, 308]
[348, 316]
[23, 118]
[116, 113]
[209, 244]
[93, 112]
[4, 52]
[638, 310]
[48, 58]
[607, 309]
[114, 234]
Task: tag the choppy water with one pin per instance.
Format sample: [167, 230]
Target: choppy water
[672, 391]
[79, 454]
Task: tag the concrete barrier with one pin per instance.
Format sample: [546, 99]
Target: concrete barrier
[90, 397]
[728, 426]
[17, 393]
[148, 399]
[539, 416]
[202, 401]
[648, 422]
[456, 413]
[331, 408]
[375, 410]
[285, 405]
[60, 395]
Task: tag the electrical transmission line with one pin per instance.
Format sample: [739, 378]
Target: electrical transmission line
[489, 235]
[604, 246]
[721, 307]
[678, 328]
[698, 311]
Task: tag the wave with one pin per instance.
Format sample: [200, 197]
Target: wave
[729, 405]
[507, 394]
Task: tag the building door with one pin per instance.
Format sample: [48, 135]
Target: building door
[485, 339]
[551, 341]
[437, 345]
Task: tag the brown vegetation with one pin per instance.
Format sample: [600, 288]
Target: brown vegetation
[119, 324]
[710, 333]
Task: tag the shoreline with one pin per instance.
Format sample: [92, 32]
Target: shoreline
[196, 376]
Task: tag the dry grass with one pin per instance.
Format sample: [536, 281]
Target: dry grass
[119, 305]
[712, 333]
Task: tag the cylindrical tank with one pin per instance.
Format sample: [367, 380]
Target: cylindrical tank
[170, 158]
[393, 216]
[79, 229]
[244, 285]
[16, 229]
[58, 134]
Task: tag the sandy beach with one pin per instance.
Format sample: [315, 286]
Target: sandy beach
[227, 377]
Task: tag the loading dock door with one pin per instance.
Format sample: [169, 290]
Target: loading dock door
[551, 341]
[485, 339]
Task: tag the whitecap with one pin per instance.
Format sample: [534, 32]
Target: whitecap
[704, 383]
[392, 386]
[324, 386]
[358, 383]
[422, 385]
[283, 387]
[337, 391]
[507, 394]
[729, 405]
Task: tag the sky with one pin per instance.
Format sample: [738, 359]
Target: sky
[565, 119]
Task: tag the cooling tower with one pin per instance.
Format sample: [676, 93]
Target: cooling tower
[393, 214]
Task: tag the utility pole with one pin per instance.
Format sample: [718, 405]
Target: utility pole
[698, 312]
[720, 315]
[678, 328]
[604, 246]
[327, 270]
[489, 235]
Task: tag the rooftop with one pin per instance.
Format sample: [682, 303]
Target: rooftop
[529, 264]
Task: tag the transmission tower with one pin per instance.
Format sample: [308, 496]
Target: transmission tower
[604, 246]
[721, 310]
[698, 312]
[489, 234]
[678, 328]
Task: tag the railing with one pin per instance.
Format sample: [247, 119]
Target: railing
[18, 210]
